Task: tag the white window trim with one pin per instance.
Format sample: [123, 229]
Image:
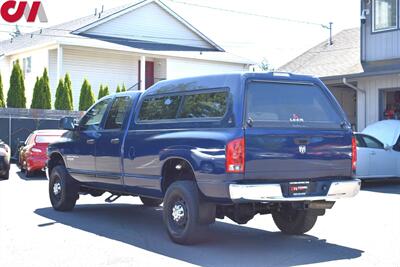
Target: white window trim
[389, 28]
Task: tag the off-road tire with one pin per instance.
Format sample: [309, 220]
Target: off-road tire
[189, 229]
[68, 195]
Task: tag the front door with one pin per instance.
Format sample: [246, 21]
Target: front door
[149, 74]
[81, 159]
[108, 146]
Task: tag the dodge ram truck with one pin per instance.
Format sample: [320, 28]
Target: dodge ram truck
[229, 145]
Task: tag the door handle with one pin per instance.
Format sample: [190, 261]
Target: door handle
[372, 153]
[115, 141]
[90, 141]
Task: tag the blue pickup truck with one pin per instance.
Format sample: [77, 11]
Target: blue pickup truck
[232, 145]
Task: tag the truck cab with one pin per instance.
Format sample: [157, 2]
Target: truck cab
[229, 145]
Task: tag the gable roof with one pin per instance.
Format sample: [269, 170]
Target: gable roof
[324, 60]
[74, 31]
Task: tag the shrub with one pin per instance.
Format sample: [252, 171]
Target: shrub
[118, 89]
[37, 94]
[16, 94]
[68, 90]
[86, 98]
[45, 84]
[62, 97]
[104, 91]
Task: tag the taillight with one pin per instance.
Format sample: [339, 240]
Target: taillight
[235, 156]
[36, 150]
[354, 154]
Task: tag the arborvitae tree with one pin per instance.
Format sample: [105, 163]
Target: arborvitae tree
[86, 98]
[118, 89]
[100, 95]
[41, 93]
[68, 90]
[123, 88]
[2, 102]
[106, 90]
[16, 94]
[46, 100]
[60, 96]
[37, 94]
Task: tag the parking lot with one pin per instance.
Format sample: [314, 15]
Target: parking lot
[364, 231]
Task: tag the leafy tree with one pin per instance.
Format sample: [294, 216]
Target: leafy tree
[86, 98]
[123, 88]
[2, 102]
[68, 89]
[118, 89]
[37, 94]
[16, 94]
[100, 95]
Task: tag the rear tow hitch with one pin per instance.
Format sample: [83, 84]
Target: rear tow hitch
[112, 198]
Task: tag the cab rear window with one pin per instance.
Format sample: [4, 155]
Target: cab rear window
[285, 104]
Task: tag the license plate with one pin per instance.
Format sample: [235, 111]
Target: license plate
[298, 188]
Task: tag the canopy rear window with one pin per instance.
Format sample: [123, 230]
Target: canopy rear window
[285, 104]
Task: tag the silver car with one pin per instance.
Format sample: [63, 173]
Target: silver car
[5, 153]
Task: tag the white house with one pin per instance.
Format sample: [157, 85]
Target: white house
[136, 45]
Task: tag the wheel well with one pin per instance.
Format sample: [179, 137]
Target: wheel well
[174, 170]
[55, 160]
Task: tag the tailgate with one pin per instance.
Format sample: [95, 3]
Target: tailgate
[297, 154]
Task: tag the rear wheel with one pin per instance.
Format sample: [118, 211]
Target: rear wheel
[151, 202]
[292, 221]
[181, 212]
[63, 189]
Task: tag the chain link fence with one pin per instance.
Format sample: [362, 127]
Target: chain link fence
[17, 124]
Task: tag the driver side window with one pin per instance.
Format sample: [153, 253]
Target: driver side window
[372, 142]
[92, 120]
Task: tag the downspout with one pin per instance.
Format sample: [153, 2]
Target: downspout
[345, 82]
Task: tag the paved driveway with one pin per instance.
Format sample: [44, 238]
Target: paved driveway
[364, 231]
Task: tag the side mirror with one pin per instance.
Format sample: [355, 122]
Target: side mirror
[387, 147]
[67, 123]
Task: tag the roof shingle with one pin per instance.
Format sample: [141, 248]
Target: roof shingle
[324, 60]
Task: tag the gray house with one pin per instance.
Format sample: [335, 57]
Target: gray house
[362, 66]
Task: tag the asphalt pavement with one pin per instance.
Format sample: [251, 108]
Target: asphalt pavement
[364, 231]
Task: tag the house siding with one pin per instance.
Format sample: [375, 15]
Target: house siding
[179, 68]
[38, 63]
[150, 23]
[99, 67]
[53, 71]
[372, 86]
[379, 45]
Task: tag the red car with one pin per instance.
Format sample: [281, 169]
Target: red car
[33, 154]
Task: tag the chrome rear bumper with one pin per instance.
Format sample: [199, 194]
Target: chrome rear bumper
[273, 192]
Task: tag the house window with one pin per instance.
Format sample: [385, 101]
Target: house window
[27, 65]
[385, 15]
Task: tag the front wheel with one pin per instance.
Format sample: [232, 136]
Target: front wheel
[63, 189]
[292, 221]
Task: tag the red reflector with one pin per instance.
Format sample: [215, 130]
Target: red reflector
[354, 154]
[235, 156]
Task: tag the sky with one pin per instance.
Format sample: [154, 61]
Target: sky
[257, 38]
